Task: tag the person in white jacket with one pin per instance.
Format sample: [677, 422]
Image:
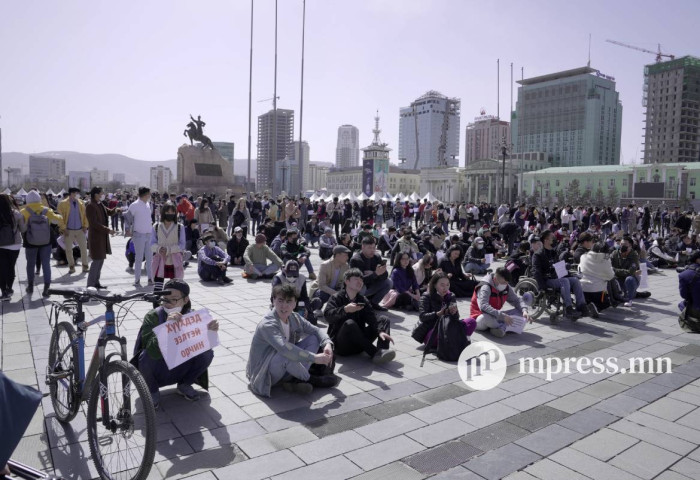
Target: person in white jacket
[596, 271]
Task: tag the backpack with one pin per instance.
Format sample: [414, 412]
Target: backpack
[7, 233]
[38, 229]
[451, 337]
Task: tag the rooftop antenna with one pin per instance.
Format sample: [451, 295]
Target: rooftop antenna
[589, 50]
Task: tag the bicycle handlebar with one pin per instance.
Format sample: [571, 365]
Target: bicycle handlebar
[84, 295]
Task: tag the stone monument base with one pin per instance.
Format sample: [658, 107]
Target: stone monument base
[202, 170]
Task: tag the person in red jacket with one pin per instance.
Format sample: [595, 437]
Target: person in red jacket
[185, 208]
[488, 300]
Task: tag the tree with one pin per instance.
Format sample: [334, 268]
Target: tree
[585, 198]
[573, 195]
[613, 197]
[599, 197]
[560, 198]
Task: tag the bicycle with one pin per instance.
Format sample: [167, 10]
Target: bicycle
[121, 435]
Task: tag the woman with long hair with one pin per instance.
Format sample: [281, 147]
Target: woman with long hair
[405, 290]
[434, 303]
[424, 270]
[168, 247]
[460, 285]
[240, 216]
[204, 217]
[11, 226]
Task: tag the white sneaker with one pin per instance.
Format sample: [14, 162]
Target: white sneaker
[498, 332]
[627, 304]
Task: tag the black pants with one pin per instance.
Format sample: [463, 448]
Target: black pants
[352, 338]
[8, 260]
[600, 299]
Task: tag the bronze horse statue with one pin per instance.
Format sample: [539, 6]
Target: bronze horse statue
[194, 132]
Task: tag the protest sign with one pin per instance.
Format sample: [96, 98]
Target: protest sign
[180, 341]
[560, 269]
[644, 280]
[518, 324]
[488, 257]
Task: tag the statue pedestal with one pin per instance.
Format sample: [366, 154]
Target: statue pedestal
[203, 170]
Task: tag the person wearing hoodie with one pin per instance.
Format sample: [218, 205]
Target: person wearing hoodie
[489, 297]
[37, 240]
[596, 271]
[475, 259]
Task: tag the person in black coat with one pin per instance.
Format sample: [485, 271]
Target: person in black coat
[460, 285]
[236, 246]
[437, 301]
[510, 232]
[374, 272]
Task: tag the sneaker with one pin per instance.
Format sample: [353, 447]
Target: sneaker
[627, 304]
[150, 282]
[71, 269]
[6, 296]
[100, 286]
[643, 295]
[312, 276]
[593, 310]
[188, 392]
[155, 396]
[383, 356]
[45, 292]
[572, 314]
[316, 304]
[323, 381]
[297, 386]
[499, 332]
[220, 281]
[227, 280]
[137, 284]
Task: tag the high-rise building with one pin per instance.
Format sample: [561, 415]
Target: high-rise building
[226, 150]
[99, 177]
[484, 138]
[119, 177]
[14, 177]
[574, 116]
[429, 132]
[161, 178]
[271, 149]
[672, 101]
[347, 152]
[46, 168]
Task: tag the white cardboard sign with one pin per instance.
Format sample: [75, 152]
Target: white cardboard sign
[183, 340]
[560, 269]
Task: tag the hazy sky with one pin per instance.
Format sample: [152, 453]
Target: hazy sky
[122, 77]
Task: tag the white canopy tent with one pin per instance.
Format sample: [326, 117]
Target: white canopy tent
[351, 196]
[7, 191]
[414, 197]
[62, 192]
[50, 192]
[361, 197]
[375, 196]
[22, 192]
[430, 197]
[313, 197]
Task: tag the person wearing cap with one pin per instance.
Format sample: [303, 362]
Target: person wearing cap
[293, 250]
[352, 324]
[150, 359]
[330, 277]
[288, 350]
[237, 246]
[313, 231]
[256, 259]
[475, 258]
[290, 275]
[326, 242]
[212, 261]
[98, 235]
[74, 226]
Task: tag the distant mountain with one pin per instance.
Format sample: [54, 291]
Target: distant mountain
[136, 171]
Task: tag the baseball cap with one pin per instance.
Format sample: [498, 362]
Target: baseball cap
[237, 229]
[341, 249]
[291, 268]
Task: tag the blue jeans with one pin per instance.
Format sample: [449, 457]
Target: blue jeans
[44, 254]
[567, 285]
[210, 272]
[142, 248]
[311, 239]
[157, 375]
[377, 290]
[478, 268]
[631, 286]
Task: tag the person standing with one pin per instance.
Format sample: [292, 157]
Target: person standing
[140, 210]
[74, 226]
[168, 246]
[11, 226]
[37, 239]
[98, 235]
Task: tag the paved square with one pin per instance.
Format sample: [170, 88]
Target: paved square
[399, 420]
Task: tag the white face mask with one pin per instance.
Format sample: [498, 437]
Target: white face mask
[172, 310]
[102, 198]
[479, 246]
[211, 244]
[500, 288]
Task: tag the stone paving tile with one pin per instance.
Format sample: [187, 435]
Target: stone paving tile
[395, 407]
[522, 384]
[494, 436]
[674, 429]
[498, 463]
[561, 386]
[314, 451]
[481, 417]
[538, 417]
[648, 391]
[440, 432]
[588, 421]
[272, 442]
[573, 402]
[605, 444]
[338, 468]
[442, 457]
[441, 393]
[391, 450]
[671, 410]
[620, 405]
[687, 467]
[654, 437]
[589, 466]
[549, 439]
[398, 390]
[645, 460]
[391, 427]
[528, 399]
[441, 411]
[482, 398]
[396, 470]
[261, 467]
[546, 469]
[604, 389]
[340, 423]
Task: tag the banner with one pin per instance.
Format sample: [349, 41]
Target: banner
[184, 340]
[381, 176]
[368, 177]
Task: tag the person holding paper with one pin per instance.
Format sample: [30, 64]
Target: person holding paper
[150, 359]
[489, 297]
[285, 347]
[545, 274]
[475, 259]
[625, 262]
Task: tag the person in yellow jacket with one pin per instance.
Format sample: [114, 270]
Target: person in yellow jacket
[37, 238]
[74, 226]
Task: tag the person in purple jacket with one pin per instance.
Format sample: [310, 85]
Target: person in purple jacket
[212, 261]
[405, 287]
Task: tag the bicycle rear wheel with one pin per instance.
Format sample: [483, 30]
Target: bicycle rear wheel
[123, 450]
[62, 372]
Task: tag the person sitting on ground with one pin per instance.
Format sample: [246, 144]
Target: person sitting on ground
[150, 359]
[256, 257]
[475, 259]
[596, 272]
[424, 270]
[376, 282]
[489, 297]
[387, 240]
[405, 244]
[285, 346]
[366, 231]
[460, 285]
[585, 244]
[546, 277]
[405, 290]
[277, 242]
[313, 231]
[330, 277]
[625, 263]
[689, 286]
[220, 236]
[326, 243]
[293, 250]
[237, 246]
[212, 261]
[352, 323]
[290, 275]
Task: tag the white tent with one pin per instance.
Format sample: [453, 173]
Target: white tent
[387, 196]
[313, 197]
[7, 191]
[50, 192]
[22, 192]
[351, 196]
[414, 197]
[430, 197]
[375, 196]
[361, 197]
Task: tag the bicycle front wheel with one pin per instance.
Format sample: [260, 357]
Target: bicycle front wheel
[125, 447]
[62, 372]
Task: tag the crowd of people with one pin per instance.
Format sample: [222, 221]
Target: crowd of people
[375, 256]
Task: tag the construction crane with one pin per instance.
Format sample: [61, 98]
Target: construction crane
[658, 53]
